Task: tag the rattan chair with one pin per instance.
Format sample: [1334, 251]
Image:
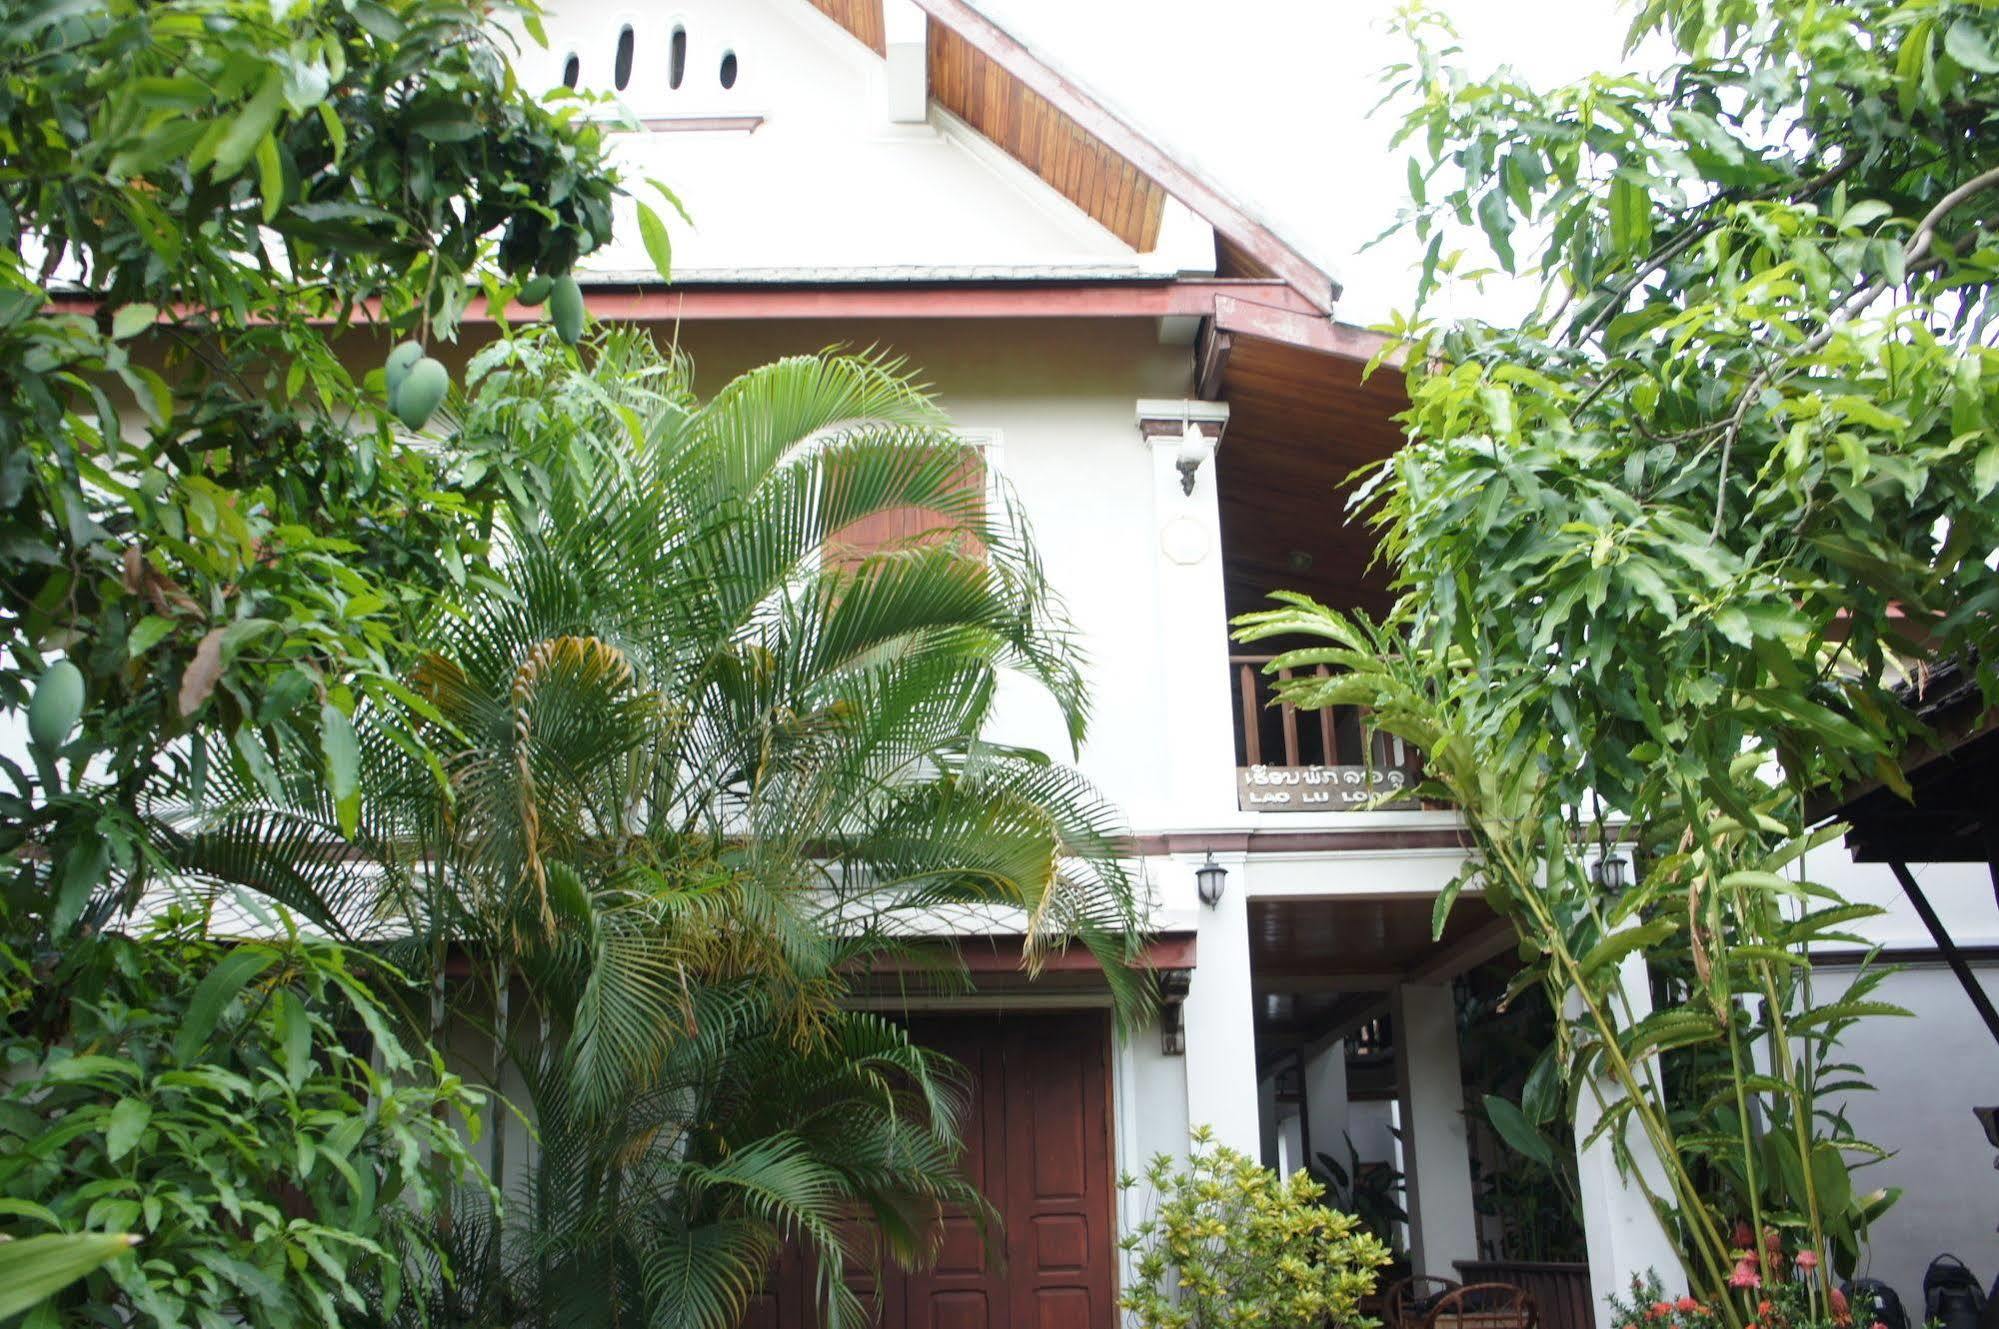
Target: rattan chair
[1483, 1306]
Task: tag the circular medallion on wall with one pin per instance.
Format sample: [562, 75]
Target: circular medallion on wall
[1184, 540]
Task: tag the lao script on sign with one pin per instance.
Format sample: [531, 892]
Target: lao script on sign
[1320, 789]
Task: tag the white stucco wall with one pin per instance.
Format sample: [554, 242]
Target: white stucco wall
[1928, 1073]
[825, 179]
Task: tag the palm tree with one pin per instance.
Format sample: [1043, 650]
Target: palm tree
[689, 760]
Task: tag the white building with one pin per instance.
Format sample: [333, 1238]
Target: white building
[901, 173]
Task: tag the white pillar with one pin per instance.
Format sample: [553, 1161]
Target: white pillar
[1624, 1236]
[1266, 1121]
[1443, 1220]
[1290, 1142]
[1190, 645]
[1326, 1102]
[1218, 1018]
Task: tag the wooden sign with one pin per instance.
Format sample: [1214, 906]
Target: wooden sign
[1321, 789]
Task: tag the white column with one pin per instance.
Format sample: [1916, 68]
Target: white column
[1326, 1102]
[1218, 1015]
[1266, 1120]
[1191, 630]
[1623, 1234]
[1443, 1221]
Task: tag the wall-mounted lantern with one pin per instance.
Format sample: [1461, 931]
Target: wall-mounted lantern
[1195, 450]
[1211, 879]
[1608, 872]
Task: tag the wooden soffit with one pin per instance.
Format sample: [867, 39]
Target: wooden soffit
[1085, 151]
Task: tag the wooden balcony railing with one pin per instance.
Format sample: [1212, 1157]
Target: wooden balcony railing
[1326, 760]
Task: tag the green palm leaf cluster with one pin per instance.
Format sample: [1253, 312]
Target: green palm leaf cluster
[689, 761]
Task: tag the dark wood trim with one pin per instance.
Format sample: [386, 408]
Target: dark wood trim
[1005, 955]
[1211, 360]
[1319, 981]
[1252, 318]
[1468, 952]
[1221, 212]
[697, 301]
[1948, 948]
[1983, 956]
[1300, 842]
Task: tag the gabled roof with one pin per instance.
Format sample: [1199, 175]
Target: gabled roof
[1080, 147]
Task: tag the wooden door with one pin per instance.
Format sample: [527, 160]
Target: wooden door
[1038, 1144]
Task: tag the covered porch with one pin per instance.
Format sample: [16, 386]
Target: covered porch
[1375, 1042]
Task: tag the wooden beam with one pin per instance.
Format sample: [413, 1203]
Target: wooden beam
[1941, 935]
[1467, 952]
[1312, 332]
[696, 301]
[1264, 980]
[1216, 208]
[1211, 361]
[1348, 1017]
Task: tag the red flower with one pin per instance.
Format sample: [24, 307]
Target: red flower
[1660, 1308]
[1773, 1241]
[1745, 1275]
[1762, 1308]
[1686, 1305]
[1841, 1312]
[1807, 1260]
[1744, 1238]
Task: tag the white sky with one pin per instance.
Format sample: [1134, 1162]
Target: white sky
[1270, 98]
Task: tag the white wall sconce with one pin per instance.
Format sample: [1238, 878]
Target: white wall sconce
[1196, 448]
[1188, 432]
[1210, 880]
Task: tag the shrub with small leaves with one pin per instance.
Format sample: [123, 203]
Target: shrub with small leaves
[247, 1113]
[1228, 1243]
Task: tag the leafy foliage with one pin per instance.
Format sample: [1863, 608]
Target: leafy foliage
[1667, 549]
[214, 550]
[203, 509]
[1227, 1242]
[247, 1114]
[704, 762]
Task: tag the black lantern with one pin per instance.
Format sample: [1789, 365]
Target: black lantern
[1209, 879]
[1608, 872]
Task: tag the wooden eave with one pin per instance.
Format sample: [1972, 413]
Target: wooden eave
[1080, 147]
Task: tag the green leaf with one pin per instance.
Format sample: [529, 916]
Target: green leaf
[213, 995]
[133, 319]
[1630, 215]
[270, 176]
[1965, 44]
[1518, 1132]
[252, 123]
[294, 1037]
[659, 245]
[34, 1268]
[343, 765]
[128, 1122]
[78, 876]
[147, 634]
[1985, 471]
[1620, 944]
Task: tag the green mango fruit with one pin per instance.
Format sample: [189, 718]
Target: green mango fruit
[57, 705]
[398, 365]
[565, 308]
[422, 392]
[534, 290]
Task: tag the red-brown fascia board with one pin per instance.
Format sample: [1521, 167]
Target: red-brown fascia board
[1196, 297]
